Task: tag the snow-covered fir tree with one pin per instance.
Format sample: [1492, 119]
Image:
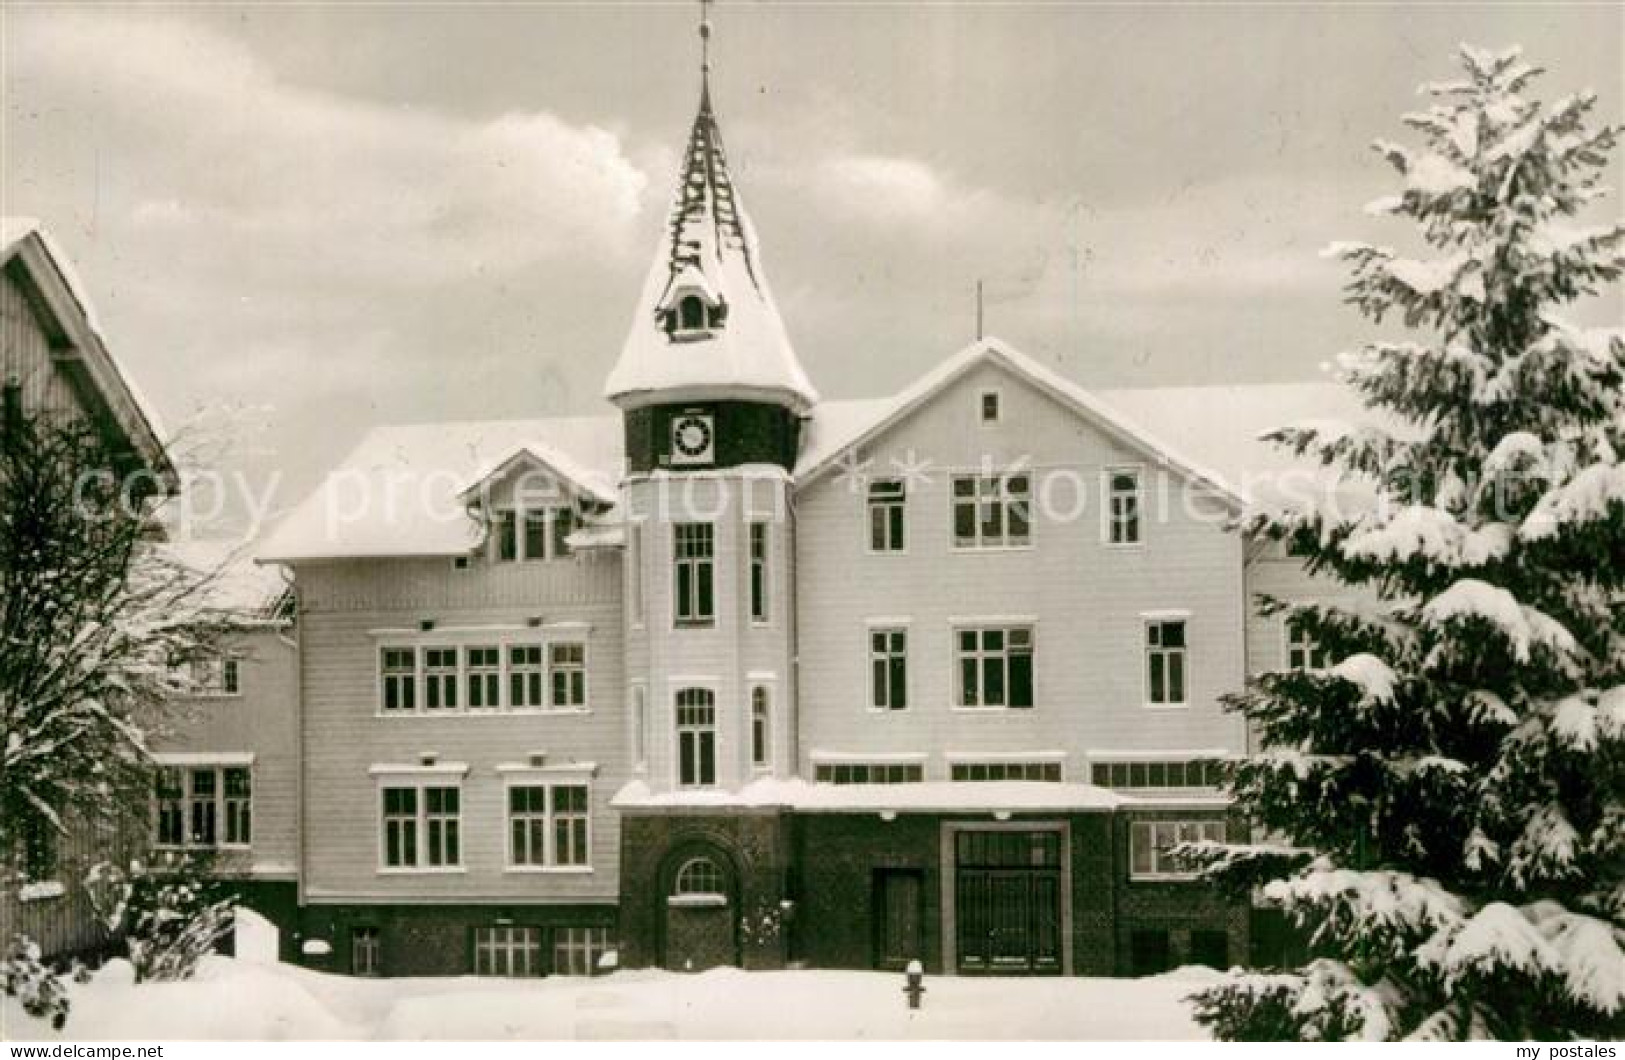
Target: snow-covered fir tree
[1448, 798]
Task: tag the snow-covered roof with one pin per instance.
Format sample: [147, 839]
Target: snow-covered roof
[402, 490]
[855, 423]
[237, 586]
[65, 295]
[1014, 796]
[710, 245]
[1226, 423]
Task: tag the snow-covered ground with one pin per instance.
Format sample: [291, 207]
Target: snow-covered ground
[245, 999]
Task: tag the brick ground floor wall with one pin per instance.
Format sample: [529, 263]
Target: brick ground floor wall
[1191, 922]
[823, 874]
[752, 849]
[436, 939]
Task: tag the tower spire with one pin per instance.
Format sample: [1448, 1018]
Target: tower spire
[705, 53]
[707, 325]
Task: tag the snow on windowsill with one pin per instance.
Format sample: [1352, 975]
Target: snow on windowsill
[40, 890]
[924, 797]
[316, 948]
[697, 901]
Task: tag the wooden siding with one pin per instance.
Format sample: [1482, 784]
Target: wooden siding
[1273, 573]
[733, 654]
[340, 605]
[262, 720]
[25, 354]
[1088, 599]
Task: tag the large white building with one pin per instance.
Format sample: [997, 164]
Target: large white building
[733, 674]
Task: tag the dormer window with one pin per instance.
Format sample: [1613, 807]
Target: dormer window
[691, 314]
[531, 534]
[690, 309]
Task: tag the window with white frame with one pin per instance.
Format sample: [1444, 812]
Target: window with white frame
[696, 738]
[698, 877]
[217, 675]
[442, 819]
[526, 676]
[531, 534]
[1158, 773]
[992, 511]
[990, 406]
[400, 820]
[995, 666]
[869, 772]
[1123, 506]
[758, 572]
[440, 678]
[570, 820]
[1151, 845]
[577, 950]
[888, 500]
[484, 677]
[203, 807]
[508, 950]
[888, 669]
[995, 771]
[548, 825]
[760, 731]
[535, 535]
[237, 800]
[693, 551]
[568, 664]
[399, 678]
[422, 825]
[539, 676]
[1303, 652]
[1165, 662]
[170, 811]
[366, 951]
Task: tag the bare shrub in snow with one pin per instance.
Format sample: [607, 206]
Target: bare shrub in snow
[98, 624]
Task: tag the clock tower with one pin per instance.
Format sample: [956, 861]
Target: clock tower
[713, 399]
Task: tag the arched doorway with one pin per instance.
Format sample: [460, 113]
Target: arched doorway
[700, 912]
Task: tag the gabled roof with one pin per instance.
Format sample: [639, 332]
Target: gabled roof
[710, 243]
[33, 259]
[858, 423]
[597, 483]
[238, 589]
[403, 490]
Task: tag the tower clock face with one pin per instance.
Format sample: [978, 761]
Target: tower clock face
[692, 439]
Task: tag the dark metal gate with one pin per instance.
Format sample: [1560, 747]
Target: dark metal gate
[1007, 902]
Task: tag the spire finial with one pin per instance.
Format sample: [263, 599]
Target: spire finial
[705, 42]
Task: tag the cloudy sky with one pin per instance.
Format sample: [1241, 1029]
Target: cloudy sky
[338, 215]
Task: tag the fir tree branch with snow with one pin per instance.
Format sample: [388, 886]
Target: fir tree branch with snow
[1446, 803]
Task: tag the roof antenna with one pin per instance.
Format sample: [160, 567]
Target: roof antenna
[978, 310]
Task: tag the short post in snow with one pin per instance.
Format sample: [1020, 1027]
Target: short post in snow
[914, 985]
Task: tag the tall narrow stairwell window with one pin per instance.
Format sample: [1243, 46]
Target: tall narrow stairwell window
[760, 732]
[693, 553]
[696, 738]
[758, 572]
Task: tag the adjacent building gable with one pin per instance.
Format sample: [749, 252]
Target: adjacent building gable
[52, 348]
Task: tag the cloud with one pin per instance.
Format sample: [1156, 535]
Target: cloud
[877, 188]
[199, 143]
